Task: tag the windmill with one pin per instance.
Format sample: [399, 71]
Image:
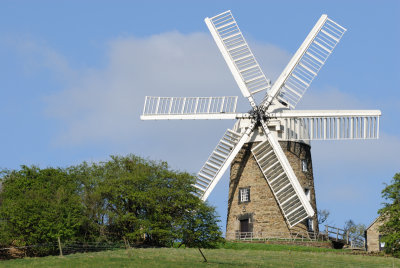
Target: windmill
[271, 121]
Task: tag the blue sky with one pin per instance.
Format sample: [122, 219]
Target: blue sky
[73, 76]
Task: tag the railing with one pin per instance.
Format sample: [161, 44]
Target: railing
[357, 243]
[337, 234]
[331, 233]
[277, 236]
[189, 105]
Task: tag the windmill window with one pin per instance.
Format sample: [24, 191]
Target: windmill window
[307, 192]
[304, 165]
[244, 195]
[310, 224]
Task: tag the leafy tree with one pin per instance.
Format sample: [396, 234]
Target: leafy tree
[200, 228]
[390, 216]
[356, 232]
[144, 201]
[88, 177]
[38, 206]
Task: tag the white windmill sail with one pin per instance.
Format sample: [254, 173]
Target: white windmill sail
[306, 62]
[164, 108]
[329, 125]
[219, 161]
[237, 54]
[281, 178]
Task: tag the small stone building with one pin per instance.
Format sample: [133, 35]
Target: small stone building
[373, 237]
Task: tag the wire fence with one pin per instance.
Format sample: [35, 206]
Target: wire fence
[277, 236]
[59, 248]
[331, 233]
[71, 247]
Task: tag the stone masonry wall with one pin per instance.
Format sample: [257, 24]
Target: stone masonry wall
[263, 212]
[373, 236]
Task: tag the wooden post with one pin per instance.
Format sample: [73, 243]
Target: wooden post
[205, 260]
[347, 236]
[59, 246]
[326, 233]
[126, 243]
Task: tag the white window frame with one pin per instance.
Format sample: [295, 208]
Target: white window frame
[307, 192]
[304, 165]
[310, 222]
[244, 194]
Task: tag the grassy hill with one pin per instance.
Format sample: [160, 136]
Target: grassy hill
[230, 255]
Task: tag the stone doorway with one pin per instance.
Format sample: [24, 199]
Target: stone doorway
[244, 226]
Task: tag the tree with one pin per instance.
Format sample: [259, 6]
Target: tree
[200, 228]
[390, 216]
[94, 217]
[144, 201]
[356, 232]
[38, 205]
[323, 215]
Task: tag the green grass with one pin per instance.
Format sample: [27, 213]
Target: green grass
[238, 255]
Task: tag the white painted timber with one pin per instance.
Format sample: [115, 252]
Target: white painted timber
[282, 180]
[329, 125]
[237, 54]
[220, 116]
[324, 113]
[306, 63]
[219, 160]
[163, 106]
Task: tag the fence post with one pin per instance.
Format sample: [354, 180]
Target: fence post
[326, 233]
[59, 246]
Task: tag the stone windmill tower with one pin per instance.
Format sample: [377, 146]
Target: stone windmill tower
[253, 210]
[271, 186]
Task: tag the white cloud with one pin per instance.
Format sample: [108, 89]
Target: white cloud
[104, 105]
[37, 55]
[328, 97]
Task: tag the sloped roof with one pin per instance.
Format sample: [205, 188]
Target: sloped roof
[373, 222]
